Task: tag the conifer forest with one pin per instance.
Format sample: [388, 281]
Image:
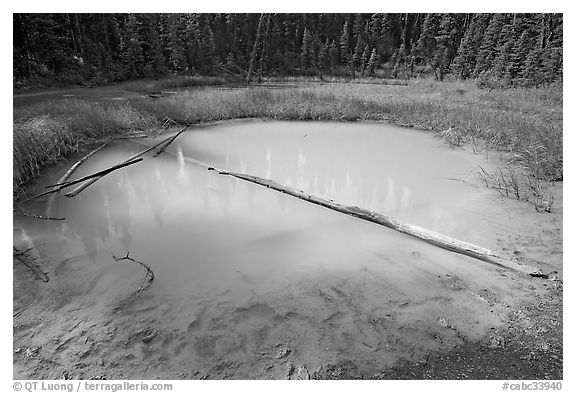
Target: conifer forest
[68, 49]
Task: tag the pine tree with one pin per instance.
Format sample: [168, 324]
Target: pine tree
[334, 55]
[465, 61]
[357, 56]
[364, 60]
[132, 54]
[155, 65]
[345, 43]
[506, 45]
[519, 55]
[176, 52]
[307, 55]
[324, 62]
[207, 46]
[426, 46]
[445, 40]
[532, 70]
[371, 67]
[489, 47]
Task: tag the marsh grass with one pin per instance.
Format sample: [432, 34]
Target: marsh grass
[527, 123]
[156, 86]
[47, 133]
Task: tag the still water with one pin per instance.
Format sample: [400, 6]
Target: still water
[221, 244]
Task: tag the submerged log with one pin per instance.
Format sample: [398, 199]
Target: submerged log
[129, 159]
[427, 235]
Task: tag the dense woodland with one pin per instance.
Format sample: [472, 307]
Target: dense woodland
[503, 49]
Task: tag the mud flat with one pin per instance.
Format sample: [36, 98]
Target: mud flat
[250, 283]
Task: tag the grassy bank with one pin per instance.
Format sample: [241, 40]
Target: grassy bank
[46, 133]
[156, 86]
[525, 122]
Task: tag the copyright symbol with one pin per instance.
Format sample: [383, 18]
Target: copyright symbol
[17, 386]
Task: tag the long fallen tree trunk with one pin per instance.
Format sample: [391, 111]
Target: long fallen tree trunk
[427, 235]
[424, 234]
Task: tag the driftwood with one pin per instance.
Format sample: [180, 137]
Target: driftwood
[130, 159]
[147, 281]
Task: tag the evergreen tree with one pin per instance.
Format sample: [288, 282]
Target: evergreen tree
[357, 56]
[307, 56]
[132, 53]
[345, 43]
[207, 47]
[364, 60]
[489, 47]
[519, 55]
[371, 67]
[154, 61]
[334, 55]
[176, 47]
[324, 61]
[426, 46]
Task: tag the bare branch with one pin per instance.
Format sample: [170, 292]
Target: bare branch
[147, 281]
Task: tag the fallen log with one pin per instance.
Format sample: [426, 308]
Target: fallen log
[427, 235]
[73, 168]
[69, 173]
[89, 177]
[135, 156]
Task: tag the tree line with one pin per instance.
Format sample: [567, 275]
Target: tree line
[514, 49]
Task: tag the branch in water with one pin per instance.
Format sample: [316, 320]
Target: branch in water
[30, 264]
[24, 213]
[147, 281]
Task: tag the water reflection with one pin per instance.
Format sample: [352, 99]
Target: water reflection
[378, 167]
[197, 228]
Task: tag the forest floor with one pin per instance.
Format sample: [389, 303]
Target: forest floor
[54, 337]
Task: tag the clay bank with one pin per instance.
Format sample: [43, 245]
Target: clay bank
[166, 269]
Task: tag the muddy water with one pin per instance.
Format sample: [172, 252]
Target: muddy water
[258, 279]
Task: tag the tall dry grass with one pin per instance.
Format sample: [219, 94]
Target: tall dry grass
[47, 133]
[525, 122]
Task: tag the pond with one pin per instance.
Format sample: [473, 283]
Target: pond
[259, 279]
